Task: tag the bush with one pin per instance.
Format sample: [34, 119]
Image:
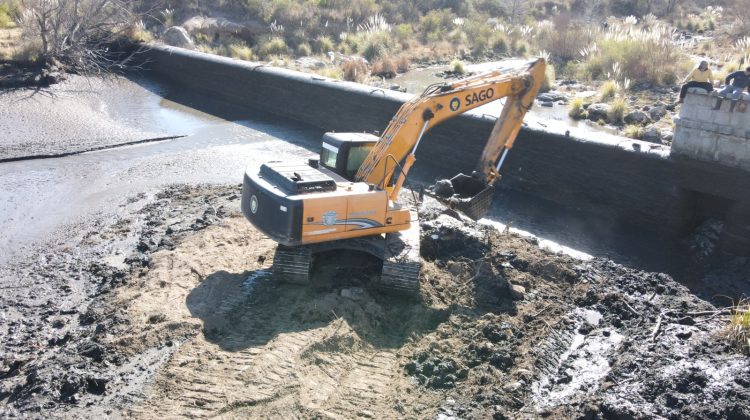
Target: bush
[617, 110]
[457, 67]
[436, 25]
[641, 54]
[576, 110]
[384, 67]
[634, 132]
[273, 46]
[403, 64]
[549, 78]
[323, 45]
[241, 51]
[739, 326]
[499, 43]
[608, 90]
[6, 21]
[404, 34]
[304, 50]
[355, 70]
[331, 72]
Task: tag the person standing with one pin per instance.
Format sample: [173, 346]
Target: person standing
[734, 85]
[700, 77]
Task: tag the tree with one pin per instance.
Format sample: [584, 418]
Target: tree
[78, 34]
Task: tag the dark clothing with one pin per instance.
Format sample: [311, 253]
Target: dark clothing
[707, 86]
[739, 79]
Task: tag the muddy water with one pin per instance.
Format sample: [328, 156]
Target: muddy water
[39, 198]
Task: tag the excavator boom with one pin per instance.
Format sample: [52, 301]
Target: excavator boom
[394, 154]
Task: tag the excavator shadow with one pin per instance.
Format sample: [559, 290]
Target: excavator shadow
[250, 309]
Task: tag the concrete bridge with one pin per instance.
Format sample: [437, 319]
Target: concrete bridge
[625, 180]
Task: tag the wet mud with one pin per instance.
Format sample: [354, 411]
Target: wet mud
[170, 310]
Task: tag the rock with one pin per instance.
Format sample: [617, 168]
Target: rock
[177, 36]
[518, 292]
[552, 96]
[636, 117]
[652, 135]
[667, 135]
[657, 112]
[546, 104]
[598, 111]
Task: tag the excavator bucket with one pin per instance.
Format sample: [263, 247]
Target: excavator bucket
[468, 195]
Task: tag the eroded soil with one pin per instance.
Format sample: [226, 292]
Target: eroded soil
[171, 311]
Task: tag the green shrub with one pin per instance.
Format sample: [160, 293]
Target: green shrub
[331, 72]
[457, 67]
[617, 110]
[404, 34]
[6, 21]
[323, 45]
[608, 90]
[241, 51]
[576, 110]
[738, 330]
[376, 45]
[549, 78]
[273, 46]
[499, 43]
[634, 131]
[436, 25]
[304, 50]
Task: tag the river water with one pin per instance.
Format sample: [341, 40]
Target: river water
[47, 197]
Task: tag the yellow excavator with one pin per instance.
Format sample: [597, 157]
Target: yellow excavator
[349, 197]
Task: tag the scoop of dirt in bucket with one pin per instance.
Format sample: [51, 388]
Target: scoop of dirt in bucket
[444, 188]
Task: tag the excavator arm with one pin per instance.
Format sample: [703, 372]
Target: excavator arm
[394, 153]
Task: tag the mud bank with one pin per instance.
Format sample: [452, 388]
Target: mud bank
[625, 180]
[171, 311]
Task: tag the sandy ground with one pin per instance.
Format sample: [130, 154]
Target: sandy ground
[189, 323]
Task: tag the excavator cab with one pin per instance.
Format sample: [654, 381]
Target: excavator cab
[343, 153]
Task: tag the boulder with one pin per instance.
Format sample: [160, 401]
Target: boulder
[598, 111]
[552, 96]
[177, 36]
[657, 112]
[637, 117]
[652, 135]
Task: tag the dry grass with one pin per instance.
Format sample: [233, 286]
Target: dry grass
[457, 67]
[384, 67]
[608, 90]
[576, 110]
[241, 52]
[634, 132]
[355, 70]
[10, 43]
[738, 330]
[617, 110]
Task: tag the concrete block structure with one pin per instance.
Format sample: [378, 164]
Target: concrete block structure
[713, 135]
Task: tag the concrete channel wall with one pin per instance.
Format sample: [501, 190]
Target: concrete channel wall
[714, 135]
[628, 181]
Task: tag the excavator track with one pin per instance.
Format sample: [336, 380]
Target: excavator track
[399, 252]
[292, 264]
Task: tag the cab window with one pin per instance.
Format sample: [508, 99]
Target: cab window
[328, 155]
[357, 155]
